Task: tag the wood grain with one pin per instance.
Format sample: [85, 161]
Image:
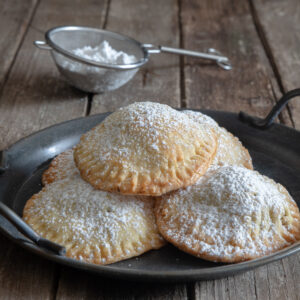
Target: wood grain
[23, 275]
[279, 22]
[267, 282]
[291, 266]
[76, 284]
[251, 86]
[153, 22]
[279, 282]
[34, 96]
[228, 27]
[15, 16]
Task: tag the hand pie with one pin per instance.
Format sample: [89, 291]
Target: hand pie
[61, 166]
[94, 226]
[145, 148]
[232, 214]
[230, 149]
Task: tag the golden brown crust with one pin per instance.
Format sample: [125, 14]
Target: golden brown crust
[61, 166]
[229, 227]
[94, 226]
[230, 150]
[145, 149]
[206, 255]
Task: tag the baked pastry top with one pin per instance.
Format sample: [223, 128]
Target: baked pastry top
[230, 149]
[145, 148]
[232, 214]
[94, 226]
[61, 166]
[201, 118]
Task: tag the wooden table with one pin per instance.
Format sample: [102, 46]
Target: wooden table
[262, 38]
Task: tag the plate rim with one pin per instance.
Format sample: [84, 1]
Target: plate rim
[146, 275]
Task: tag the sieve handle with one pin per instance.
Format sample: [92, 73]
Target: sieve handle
[211, 54]
[42, 45]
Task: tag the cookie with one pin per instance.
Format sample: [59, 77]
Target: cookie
[231, 215]
[95, 226]
[145, 148]
[61, 166]
[230, 149]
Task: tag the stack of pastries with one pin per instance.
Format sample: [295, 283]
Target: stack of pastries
[148, 175]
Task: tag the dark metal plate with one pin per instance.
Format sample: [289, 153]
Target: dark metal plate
[275, 153]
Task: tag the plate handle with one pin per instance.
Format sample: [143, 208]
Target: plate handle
[273, 114]
[25, 229]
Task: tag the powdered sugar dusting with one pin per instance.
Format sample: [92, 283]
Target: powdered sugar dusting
[201, 118]
[142, 132]
[62, 166]
[81, 215]
[104, 53]
[230, 212]
[96, 79]
[230, 149]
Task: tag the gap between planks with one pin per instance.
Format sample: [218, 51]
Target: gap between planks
[55, 283]
[183, 102]
[7, 73]
[91, 95]
[265, 44]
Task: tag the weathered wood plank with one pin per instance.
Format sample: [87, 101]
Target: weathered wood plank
[262, 285]
[23, 275]
[208, 290]
[227, 26]
[241, 286]
[15, 16]
[76, 284]
[291, 267]
[234, 288]
[279, 282]
[153, 22]
[267, 282]
[34, 97]
[279, 22]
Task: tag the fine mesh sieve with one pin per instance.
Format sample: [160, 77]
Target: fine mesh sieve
[98, 77]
